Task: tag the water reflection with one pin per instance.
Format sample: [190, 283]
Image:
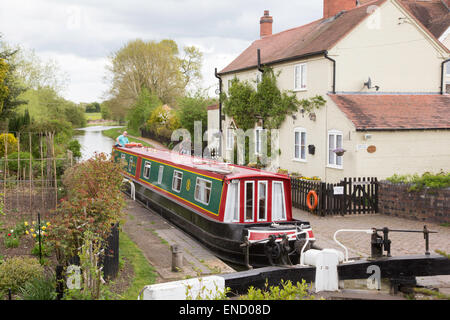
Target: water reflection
[92, 140]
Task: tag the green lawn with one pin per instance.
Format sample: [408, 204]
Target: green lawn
[115, 132]
[93, 116]
[144, 273]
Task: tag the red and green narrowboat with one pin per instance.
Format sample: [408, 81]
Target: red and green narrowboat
[223, 206]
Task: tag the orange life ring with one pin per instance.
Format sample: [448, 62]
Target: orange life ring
[308, 200]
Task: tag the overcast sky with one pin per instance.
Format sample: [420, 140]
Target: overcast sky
[81, 34]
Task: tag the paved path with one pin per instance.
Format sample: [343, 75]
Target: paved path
[358, 244]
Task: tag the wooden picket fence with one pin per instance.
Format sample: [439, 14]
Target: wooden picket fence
[350, 196]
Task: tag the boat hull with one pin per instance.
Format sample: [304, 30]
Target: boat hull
[223, 239]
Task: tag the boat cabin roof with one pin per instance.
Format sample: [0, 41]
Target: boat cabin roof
[217, 169]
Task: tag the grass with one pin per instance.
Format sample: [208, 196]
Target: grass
[115, 132]
[93, 116]
[144, 273]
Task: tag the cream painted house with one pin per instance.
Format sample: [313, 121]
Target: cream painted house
[396, 122]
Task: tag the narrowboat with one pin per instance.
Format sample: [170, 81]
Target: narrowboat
[243, 215]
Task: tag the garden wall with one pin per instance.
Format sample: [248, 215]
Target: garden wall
[427, 205]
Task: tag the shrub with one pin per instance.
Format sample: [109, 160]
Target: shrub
[286, 291]
[40, 288]
[427, 180]
[15, 272]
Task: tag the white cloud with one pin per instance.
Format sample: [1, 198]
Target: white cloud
[81, 34]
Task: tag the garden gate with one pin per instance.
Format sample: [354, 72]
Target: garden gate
[350, 196]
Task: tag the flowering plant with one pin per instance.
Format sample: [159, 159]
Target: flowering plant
[339, 151]
[11, 239]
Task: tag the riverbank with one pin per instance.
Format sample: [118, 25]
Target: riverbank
[115, 132]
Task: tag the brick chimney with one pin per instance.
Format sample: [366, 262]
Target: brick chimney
[266, 25]
[333, 7]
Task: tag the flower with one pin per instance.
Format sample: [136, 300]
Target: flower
[31, 230]
[34, 222]
[27, 232]
[44, 227]
[25, 224]
[9, 234]
[11, 230]
[34, 235]
[48, 224]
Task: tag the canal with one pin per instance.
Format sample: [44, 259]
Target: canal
[92, 140]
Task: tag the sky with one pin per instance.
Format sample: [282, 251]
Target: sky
[81, 34]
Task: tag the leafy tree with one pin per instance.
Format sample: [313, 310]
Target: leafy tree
[141, 110]
[152, 65]
[246, 105]
[4, 91]
[93, 107]
[194, 108]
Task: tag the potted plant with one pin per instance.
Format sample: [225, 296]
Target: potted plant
[339, 151]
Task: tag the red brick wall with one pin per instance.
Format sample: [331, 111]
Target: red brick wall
[427, 205]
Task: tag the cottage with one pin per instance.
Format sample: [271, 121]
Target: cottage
[381, 66]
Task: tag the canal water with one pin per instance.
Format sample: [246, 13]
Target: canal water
[92, 140]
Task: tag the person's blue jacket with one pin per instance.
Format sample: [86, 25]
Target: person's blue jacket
[122, 140]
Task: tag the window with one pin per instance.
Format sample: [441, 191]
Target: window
[130, 164]
[230, 139]
[278, 205]
[203, 191]
[160, 174]
[147, 167]
[262, 201]
[300, 144]
[300, 77]
[334, 142]
[258, 140]
[249, 201]
[448, 69]
[177, 181]
[232, 206]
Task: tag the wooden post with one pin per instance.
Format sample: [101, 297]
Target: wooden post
[54, 168]
[31, 173]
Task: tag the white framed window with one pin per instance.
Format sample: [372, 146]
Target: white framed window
[300, 144]
[160, 174]
[262, 201]
[448, 69]
[230, 139]
[300, 76]
[278, 201]
[130, 164]
[232, 207]
[177, 180]
[203, 191]
[147, 168]
[249, 201]
[258, 140]
[335, 141]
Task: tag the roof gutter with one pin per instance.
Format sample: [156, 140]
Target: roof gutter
[259, 61]
[334, 70]
[442, 75]
[307, 55]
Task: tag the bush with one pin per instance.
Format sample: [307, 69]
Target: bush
[40, 288]
[427, 180]
[17, 271]
[286, 291]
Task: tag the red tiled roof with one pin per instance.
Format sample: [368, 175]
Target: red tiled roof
[433, 14]
[395, 112]
[315, 37]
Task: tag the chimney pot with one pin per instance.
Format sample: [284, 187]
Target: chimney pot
[266, 25]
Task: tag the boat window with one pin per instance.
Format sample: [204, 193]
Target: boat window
[278, 205]
[147, 167]
[203, 191]
[160, 174]
[232, 206]
[262, 200]
[130, 164]
[249, 200]
[177, 180]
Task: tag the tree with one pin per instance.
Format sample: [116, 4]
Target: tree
[93, 107]
[141, 110]
[194, 108]
[152, 65]
[4, 91]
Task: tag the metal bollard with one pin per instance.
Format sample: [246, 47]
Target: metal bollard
[177, 258]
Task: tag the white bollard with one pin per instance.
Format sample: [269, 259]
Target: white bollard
[326, 270]
[202, 288]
